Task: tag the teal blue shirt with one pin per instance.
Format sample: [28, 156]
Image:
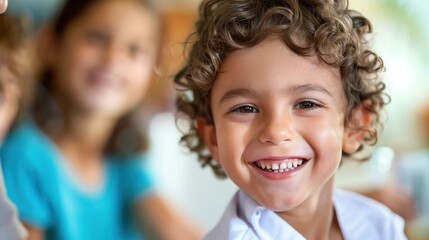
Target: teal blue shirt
[50, 197]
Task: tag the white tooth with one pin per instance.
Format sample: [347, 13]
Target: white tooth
[283, 165]
[281, 170]
[268, 166]
[276, 171]
[289, 165]
[299, 162]
[262, 164]
[295, 163]
[275, 166]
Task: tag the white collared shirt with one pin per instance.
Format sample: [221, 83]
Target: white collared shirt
[358, 217]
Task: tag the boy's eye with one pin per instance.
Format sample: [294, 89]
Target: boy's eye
[306, 105]
[246, 109]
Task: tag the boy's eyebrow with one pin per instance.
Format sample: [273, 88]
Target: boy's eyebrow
[296, 89]
[308, 88]
[238, 92]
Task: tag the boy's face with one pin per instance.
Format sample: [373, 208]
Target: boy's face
[278, 124]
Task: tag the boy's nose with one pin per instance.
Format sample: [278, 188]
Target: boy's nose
[277, 130]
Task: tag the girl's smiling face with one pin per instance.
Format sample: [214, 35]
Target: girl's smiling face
[103, 61]
[278, 124]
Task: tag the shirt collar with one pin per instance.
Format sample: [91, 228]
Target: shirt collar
[249, 210]
[265, 223]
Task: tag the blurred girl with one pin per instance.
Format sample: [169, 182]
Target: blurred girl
[75, 170]
[15, 74]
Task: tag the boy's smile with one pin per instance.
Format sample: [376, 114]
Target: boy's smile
[278, 124]
[284, 166]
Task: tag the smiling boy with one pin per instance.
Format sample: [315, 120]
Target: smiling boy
[279, 92]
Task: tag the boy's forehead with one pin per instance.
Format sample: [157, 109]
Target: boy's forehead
[273, 61]
[240, 56]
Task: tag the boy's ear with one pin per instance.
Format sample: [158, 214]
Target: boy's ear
[208, 133]
[356, 130]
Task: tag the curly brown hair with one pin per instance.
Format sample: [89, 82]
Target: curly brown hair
[325, 28]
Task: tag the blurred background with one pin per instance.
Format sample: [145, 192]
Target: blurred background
[401, 30]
